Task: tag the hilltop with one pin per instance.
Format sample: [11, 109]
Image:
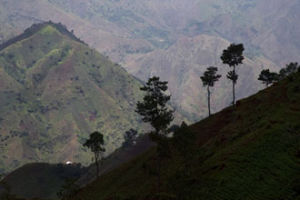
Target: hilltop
[54, 91]
[252, 152]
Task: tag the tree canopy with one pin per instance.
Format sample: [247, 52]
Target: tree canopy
[154, 107]
[210, 76]
[233, 55]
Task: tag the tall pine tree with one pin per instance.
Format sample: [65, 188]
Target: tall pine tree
[233, 56]
[154, 110]
[209, 78]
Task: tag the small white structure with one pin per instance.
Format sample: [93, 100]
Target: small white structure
[69, 163]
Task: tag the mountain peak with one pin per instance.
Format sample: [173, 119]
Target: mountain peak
[45, 27]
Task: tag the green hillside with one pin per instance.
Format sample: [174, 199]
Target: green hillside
[250, 153]
[54, 91]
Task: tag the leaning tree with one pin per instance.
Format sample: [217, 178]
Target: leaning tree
[209, 78]
[233, 56]
[96, 144]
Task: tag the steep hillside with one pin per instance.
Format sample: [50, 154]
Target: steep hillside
[252, 152]
[54, 91]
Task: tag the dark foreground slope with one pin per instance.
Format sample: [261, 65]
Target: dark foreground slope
[40, 180]
[250, 153]
[45, 181]
[54, 91]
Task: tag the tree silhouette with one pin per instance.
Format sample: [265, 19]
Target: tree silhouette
[154, 110]
[95, 144]
[209, 78]
[267, 77]
[288, 70]
[292, 68]
[233, 56]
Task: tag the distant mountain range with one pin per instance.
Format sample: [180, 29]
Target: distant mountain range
[173, 37]
[55, 91]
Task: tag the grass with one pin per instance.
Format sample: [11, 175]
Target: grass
[249, 153]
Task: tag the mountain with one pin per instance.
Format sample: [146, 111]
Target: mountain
[144, 35]
[248, 152]
[55, 91]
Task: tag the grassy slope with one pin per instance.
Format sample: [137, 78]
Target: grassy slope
[54, 91]
[252, 153]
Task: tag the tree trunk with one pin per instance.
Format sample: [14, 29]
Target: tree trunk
[233, 87]
[208, 100]
[159, 178]
[97, 165]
